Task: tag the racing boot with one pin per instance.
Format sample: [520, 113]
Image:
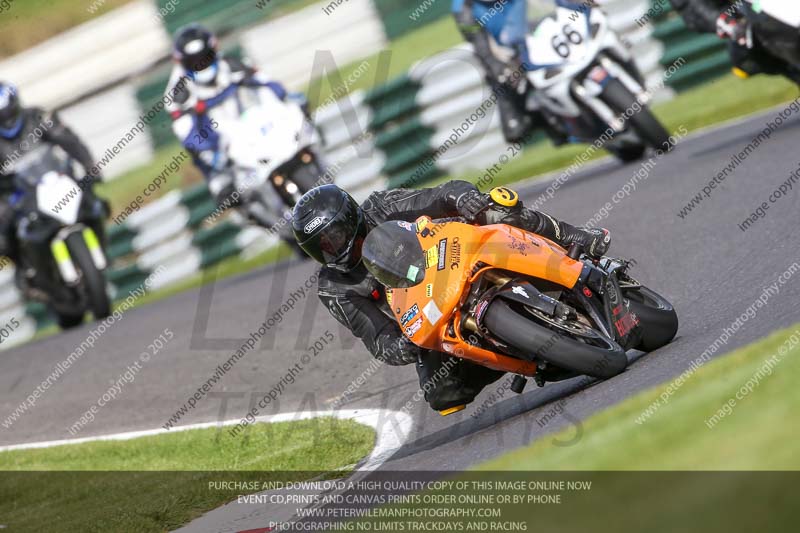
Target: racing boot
[595, 241]
[440, 380]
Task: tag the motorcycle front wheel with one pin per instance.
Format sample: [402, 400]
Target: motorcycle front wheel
[93, 279]
[643, 122]
[657, 317]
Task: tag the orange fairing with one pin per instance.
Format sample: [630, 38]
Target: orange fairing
[452, 250]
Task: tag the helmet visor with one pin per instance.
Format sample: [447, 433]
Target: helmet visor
[200, 61]
[392, 253]
[10, 113]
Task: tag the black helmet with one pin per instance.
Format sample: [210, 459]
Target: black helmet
[195, 48]
[10, 111]
[330, 227]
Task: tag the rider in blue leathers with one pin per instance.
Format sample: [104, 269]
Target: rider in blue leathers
[202, 79]
[505, 22]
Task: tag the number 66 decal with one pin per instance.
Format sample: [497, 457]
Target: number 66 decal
[561, 43]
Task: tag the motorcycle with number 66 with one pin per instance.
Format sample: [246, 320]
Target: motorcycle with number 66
[587, 85]
[513, 301]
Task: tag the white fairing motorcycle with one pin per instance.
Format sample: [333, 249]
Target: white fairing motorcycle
[272, 156]
[61, 259]
[586, 84]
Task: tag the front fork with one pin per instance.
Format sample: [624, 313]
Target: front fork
[61, 253]
[599, 291]
[589, 89]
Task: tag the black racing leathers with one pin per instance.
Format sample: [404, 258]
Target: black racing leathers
[502, 78]
[701, 15]
[357, 300]
[775, 43]
[38, 127]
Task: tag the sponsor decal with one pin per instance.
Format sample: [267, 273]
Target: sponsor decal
[432, 257]
[414, 327]
[504, 196]
[598, 74]
[432, 312]
[480, 310]
[408, 315]
[455, 253]
[442, 254]
[429, 290]
[406, 225]
[411, 275]
[626, 322]
[520, 246]
[389, 297]
[314, 224]
[522, 292]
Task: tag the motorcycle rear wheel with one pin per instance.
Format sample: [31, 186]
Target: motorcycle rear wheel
[583, 352]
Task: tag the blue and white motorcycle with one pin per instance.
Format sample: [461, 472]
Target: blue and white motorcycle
[586, 84]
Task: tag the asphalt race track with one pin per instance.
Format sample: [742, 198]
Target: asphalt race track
[708, 267]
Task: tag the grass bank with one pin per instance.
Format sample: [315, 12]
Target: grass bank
[158, 483]
[696, 427]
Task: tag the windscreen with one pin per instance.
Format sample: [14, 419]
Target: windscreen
[393, 254]
[539, 9]
[30, 168]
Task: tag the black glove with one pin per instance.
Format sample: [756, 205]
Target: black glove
[510, 75]
[595, 241]
[472, 203]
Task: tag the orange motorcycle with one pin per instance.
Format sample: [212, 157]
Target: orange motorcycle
[514, 301]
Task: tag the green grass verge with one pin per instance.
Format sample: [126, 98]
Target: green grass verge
[756, 435]
[669, 473]
[158, 483]
[29, 22]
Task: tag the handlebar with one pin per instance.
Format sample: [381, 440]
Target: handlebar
[575, 251]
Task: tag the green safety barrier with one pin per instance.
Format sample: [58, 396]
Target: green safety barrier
[402, 16]
[706, 55]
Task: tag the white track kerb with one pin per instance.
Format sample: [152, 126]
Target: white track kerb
[392, 428]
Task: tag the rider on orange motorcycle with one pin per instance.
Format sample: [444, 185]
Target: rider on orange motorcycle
[330, 226]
